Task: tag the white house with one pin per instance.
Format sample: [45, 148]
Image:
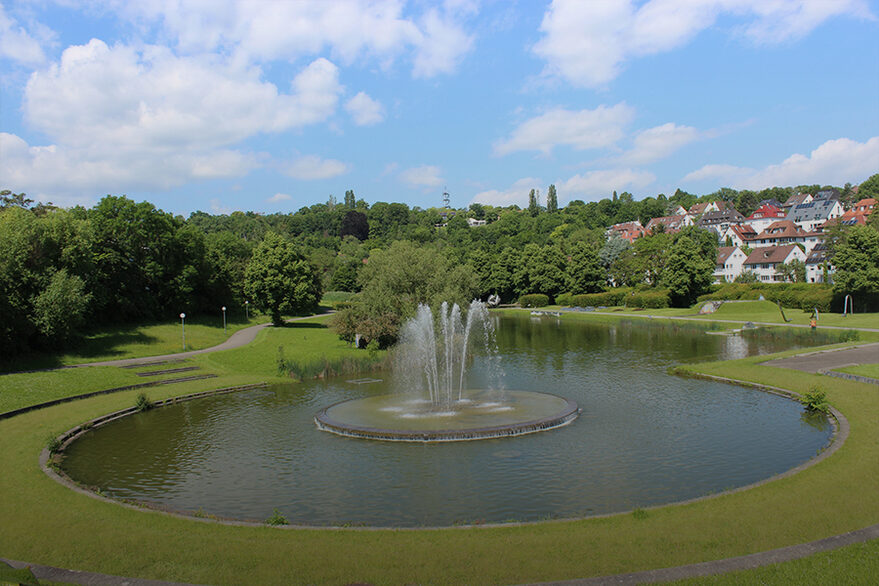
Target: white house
[763, 216]
[729, 264]
[809, 216]
[765, 261]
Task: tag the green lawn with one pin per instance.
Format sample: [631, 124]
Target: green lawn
[45, 522]
[870, 370]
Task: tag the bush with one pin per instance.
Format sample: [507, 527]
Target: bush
[605, 299]
[564, 299]
[143, 403]
[534, 300]
[805, 296]
[649, 299]
[276, 519]
[815, 400]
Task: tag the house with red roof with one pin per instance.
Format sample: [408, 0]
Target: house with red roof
[766, 214]
[739, 235]
[671, 224]
[765, 261]
[629, 231]
[787, 232]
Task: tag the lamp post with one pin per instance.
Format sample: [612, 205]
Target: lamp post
[246, 311]
[224, 319]
[183, 329]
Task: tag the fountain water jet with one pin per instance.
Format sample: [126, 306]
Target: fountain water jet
[430, 366]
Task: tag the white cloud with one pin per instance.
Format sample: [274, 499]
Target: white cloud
[364, 110]
[587, 43]
[311, 167]
[601, 183]
[659, 142]
[423, 176]
[516, 194]
[346, 29]
[278, 198]
[581, 129]
[121, 118]
[16, 43]
[833, 163]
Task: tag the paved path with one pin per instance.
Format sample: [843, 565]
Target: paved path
[236, 340]
[829, 359]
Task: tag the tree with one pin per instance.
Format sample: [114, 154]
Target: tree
[869, 188]
[547, 271]
[61, 307]
[793, 271]
[585, 273]
[552, 200]
[651, 253]
[350, 201]
[857, 266]
[533, 205]
[279, 279]
[689, 271]
[746, 277]
[612, 249]
[355, 224]
[9, 199]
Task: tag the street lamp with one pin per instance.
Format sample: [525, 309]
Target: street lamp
[224, 319]
[183, 329]
[246, 312]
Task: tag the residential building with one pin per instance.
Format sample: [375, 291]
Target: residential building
[720, 220]
[739, 235]
[765, 261]
[729, 264]
[629, 231]
[671, 224]
[786, 232]
[796, 200]
[765, 215]
[815, 264]
[814, 213]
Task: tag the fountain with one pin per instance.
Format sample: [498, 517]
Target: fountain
[430, 366]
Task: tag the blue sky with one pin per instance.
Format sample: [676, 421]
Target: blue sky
[222, 105]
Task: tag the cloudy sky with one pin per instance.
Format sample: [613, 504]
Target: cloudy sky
[221, 105]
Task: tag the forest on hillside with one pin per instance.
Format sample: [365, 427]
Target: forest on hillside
[122, 261]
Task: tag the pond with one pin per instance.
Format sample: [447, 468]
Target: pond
[643, 438]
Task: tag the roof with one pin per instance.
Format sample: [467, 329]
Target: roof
[727, 215]
[635, 225]
[770, 254]
[743, 231]
[670, 222]
[814, 210]
[767, 211]
[724, 252]
[797, 199]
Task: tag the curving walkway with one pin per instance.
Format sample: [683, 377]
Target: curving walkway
[236, 340]
[816, 362]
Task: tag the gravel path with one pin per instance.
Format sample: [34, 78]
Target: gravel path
[829, 359]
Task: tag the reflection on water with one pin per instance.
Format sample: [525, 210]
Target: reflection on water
[643, 438]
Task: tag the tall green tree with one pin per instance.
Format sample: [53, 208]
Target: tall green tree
[689, 270]
[585, 273]
[61, 307]
[280, 280]
[857, 267]
[350, 200]
[552, 200]
[533, 204]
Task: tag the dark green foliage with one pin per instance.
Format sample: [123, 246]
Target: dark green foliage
[690, 265]
[648, 299]
[805, 296]
[534, 300]
[857, 267]
[355, 224]
[815, 399]
[280, 280]
[585, 273]
[143, 403]
[552, 200]
[610, 298]
[276, 519]
[61, 307]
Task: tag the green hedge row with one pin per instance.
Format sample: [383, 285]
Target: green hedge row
[534, 300]
[805, 296]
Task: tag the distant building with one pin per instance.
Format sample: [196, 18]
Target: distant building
[720, 220]
[766, 260]
[739, 235]
[474, 222]
[786, 232]
[629, 231]
[671, 224]
[815, 263]
[765, 215]
[729, 264]
[796, 200]
[812, 214]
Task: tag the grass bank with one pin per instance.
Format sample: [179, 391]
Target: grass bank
[47, 523]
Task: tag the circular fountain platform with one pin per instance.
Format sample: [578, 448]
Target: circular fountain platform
[479, 415]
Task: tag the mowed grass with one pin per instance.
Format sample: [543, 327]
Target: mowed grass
[870, 370]
[44, 522]
[135, 341]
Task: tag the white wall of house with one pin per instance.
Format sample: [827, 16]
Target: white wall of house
[766, 270]
[731, 268]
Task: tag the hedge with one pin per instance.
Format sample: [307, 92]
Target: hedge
[649, 299]
[534, 300]
[805, 296]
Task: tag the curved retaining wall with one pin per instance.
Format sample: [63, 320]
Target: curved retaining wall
[325, 423]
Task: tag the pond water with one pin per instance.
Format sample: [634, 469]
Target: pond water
[643, 438]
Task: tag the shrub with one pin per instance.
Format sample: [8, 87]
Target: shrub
[850, 336]
[534, 300]
[815, 400]
[143, 403]
[564, 299]
[606, 299]
[53, 444]
[277, 518]
[649, 299]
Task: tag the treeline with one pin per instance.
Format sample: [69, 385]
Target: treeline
[122, 262]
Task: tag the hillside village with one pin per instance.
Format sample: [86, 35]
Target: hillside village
[775, 234]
